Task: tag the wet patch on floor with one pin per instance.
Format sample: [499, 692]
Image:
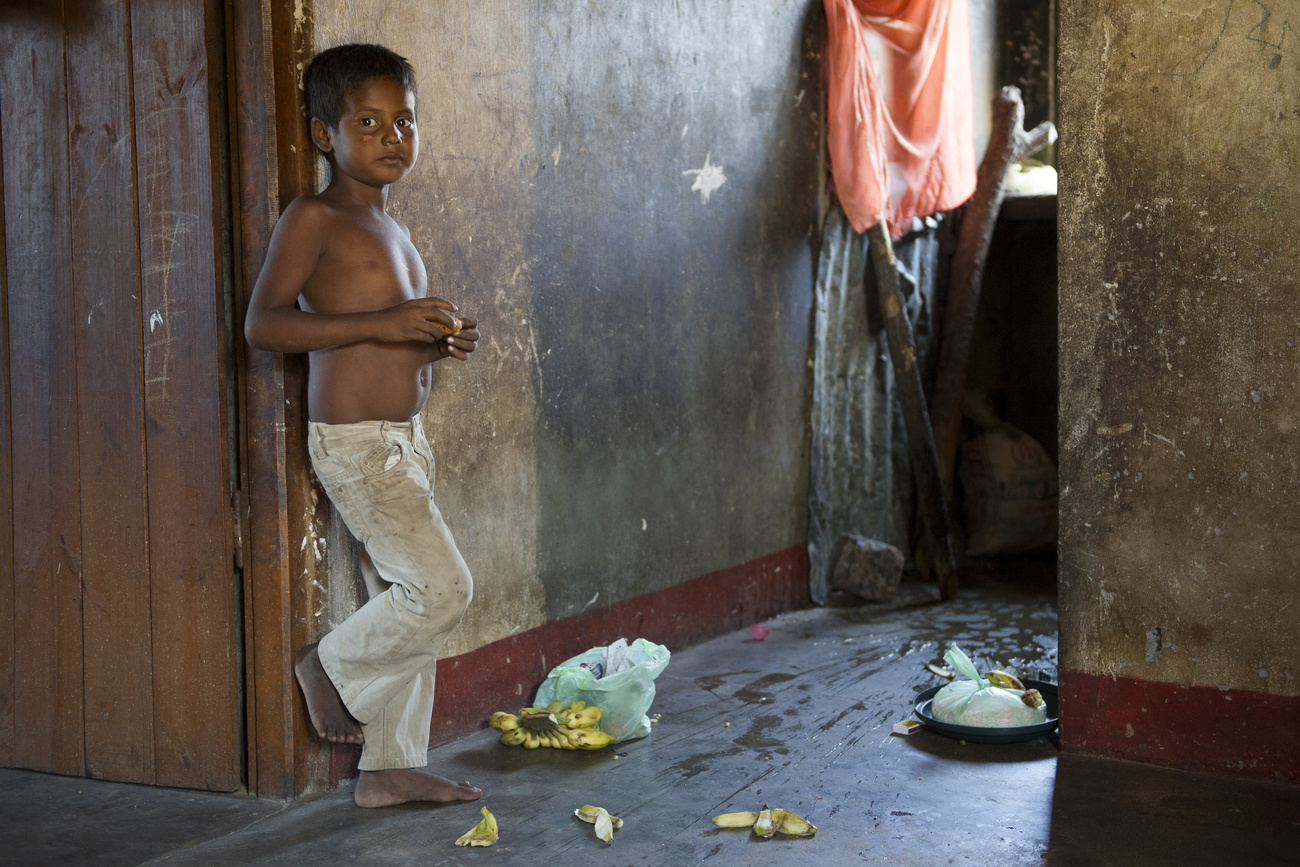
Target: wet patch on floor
[799, 721]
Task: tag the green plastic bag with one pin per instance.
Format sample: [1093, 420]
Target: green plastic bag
[977, 702]
[625, 696]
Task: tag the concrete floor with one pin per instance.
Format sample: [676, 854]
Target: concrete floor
[801, 721]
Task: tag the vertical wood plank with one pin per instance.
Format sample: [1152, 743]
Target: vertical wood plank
[6, 513]
[196, 709]
[46, 523]
[308, 513]
[115, 556]
[268, 674]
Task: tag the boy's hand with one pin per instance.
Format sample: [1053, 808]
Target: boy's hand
[423, 319]
[463, 342]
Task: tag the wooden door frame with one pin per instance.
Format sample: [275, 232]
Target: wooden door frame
[271, 163]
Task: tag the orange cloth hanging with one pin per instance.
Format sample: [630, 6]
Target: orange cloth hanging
[904, 147]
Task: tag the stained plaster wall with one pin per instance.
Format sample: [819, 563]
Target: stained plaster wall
[627, 196]
[1180, 452]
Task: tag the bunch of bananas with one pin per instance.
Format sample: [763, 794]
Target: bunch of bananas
[563, 727]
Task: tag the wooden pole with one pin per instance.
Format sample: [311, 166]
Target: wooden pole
[1008, 144]
[932, 505]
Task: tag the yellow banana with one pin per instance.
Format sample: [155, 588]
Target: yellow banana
[514, 737]
[940, 670]
[587, 717]
[573, 707]
[768, 822]
[588, 813]
[793, 824]
[735, 820]
[1004, 680]
[554, 707]
[531, 741]
[504, 722]
[600, 817]
[591, 739]
[482, 834]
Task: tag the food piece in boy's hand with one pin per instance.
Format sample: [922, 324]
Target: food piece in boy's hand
[454, 328]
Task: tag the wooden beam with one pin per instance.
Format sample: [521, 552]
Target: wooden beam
[110, 383]
[47, 696]
[1008, 143]
[196, 703]
[932, 505]
[265, 47]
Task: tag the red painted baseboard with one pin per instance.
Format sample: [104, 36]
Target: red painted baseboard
[1238, 732]
[505, 674]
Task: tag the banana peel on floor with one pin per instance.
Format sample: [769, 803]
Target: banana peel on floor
[767, 823]
[482, 834]
[600, 817]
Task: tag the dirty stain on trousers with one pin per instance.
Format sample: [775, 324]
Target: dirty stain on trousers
[379, 475]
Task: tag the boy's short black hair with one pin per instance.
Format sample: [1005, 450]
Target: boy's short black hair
[336, 72]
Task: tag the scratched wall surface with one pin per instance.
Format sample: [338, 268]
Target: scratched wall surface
[1180, 453]
[626, 195]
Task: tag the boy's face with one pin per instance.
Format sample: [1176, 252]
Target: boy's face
[376, 141]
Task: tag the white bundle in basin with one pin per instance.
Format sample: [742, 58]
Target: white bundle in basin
[977, 702]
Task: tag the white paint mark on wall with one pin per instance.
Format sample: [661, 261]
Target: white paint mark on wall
[592, 600]
[155, 319]
[684, 129]
[532, 351]
[1163, 439]
[555, 154]
[707, 179]
[1154, 644]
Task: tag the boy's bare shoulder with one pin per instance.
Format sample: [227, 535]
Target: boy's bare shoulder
[309, 208]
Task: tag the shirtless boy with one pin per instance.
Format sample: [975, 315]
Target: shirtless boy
[343, 282]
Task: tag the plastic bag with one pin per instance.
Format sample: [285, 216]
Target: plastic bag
[624, 695]
[976, 702]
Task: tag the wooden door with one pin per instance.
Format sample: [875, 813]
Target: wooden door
[119, 615]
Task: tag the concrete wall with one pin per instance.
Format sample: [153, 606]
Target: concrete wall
[627, 196]
[1180, 451]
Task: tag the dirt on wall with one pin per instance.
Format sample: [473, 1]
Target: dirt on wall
[1180, 453]
[627, 196]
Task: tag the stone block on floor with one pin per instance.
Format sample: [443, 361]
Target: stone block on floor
[866, 568]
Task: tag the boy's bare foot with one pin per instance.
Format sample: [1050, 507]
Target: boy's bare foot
[399, 785]
[329, 716]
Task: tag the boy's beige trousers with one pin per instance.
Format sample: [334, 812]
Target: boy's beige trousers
[379, 475]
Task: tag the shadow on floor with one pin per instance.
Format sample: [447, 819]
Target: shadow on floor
[801, 721]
